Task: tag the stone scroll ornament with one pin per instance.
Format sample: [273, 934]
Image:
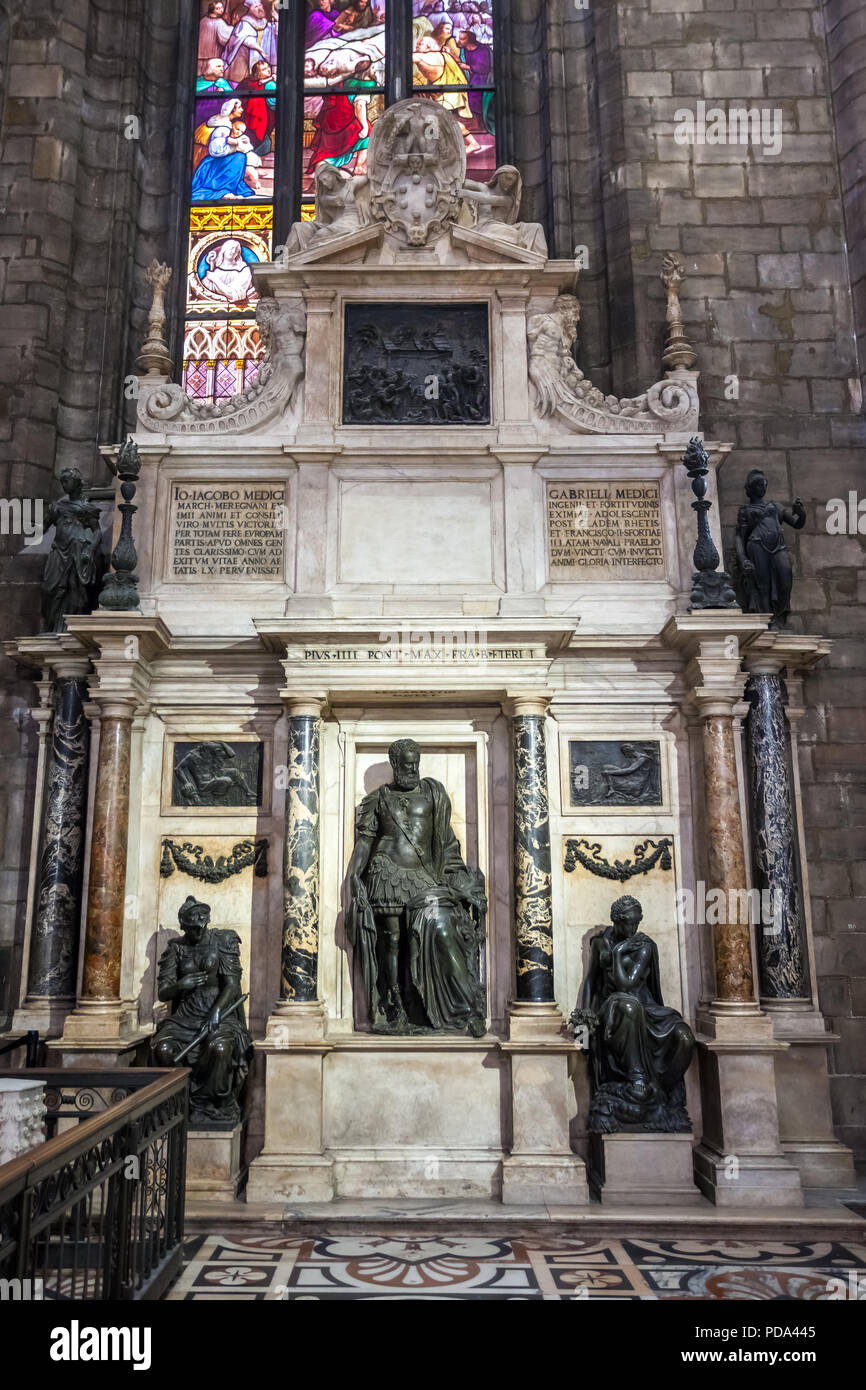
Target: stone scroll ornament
[562, 391]
[191, 859]
[711, 587]
[646, 856]
[167, 408]
[639, 1049]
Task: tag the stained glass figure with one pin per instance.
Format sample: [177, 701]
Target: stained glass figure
[239, 33]
[452, 53]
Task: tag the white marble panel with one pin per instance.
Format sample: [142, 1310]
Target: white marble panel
[415, 532]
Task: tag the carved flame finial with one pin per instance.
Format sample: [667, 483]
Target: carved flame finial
[678, 350]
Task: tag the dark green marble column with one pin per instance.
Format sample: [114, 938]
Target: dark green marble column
[300, 953]
[533, 909]
[55, 938]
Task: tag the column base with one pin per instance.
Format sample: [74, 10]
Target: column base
[291, 1178]
[754, 1180]
[213, 1164]
[529, 1022]
[294, 1022]
[643, 1170]
[104, 1033]
[544, 1179]
[46, 1013]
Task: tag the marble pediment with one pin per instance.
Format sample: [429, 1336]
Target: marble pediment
[413, 230]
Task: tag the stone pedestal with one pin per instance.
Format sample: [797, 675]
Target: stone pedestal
[293, 1165]
[643, 1170]
[740, 1161]
[541, 1167]
[213, 1164]
[22, 1117]
[803, 1097]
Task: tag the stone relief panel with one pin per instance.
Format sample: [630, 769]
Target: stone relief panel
[420, 364]
[215, 773]
[611, 772]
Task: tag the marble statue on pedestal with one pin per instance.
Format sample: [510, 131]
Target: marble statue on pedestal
[200, 976]
[75, 565]
[415, 916]
[639, 1049]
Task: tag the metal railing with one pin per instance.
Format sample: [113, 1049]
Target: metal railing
[97, 1211]
[30, 1041]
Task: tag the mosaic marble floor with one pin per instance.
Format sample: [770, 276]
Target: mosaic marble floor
[436, 1264]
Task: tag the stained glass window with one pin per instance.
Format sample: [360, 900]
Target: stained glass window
[452, 62]
[259, 135]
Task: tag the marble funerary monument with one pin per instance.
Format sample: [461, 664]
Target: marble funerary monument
[426, 675]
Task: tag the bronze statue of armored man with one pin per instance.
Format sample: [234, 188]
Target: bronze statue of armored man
[416, 912]
[639, 1049]
[200, 976]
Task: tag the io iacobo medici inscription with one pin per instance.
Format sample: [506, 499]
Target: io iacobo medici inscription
[227, 531]
[601, 529]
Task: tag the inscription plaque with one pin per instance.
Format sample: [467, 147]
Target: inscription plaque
[227, 531]
[605, 772]
[418, 364]
[604, 530]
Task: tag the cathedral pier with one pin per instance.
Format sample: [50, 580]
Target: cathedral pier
[785, 949]
[740, 1160]
[541, 1166]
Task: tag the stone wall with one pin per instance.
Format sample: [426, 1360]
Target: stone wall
[85, 208]
[769, 307]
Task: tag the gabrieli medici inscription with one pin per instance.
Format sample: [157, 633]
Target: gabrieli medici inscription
[416, 364]
[599, 530]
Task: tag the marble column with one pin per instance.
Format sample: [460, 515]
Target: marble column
[726, 861]
[541, 1166]
[533, 905]
[101, 1022]
[53, 964]
[786, 966]
[782, 948]
[300, 950]
[739, 1160]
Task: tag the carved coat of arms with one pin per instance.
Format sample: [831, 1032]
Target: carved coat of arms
[417, 165]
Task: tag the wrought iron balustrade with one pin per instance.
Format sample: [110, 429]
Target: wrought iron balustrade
[96, 1212]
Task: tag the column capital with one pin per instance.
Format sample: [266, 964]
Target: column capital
[312, 703]
[124, 647]
[523, 702]
[771, 652]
